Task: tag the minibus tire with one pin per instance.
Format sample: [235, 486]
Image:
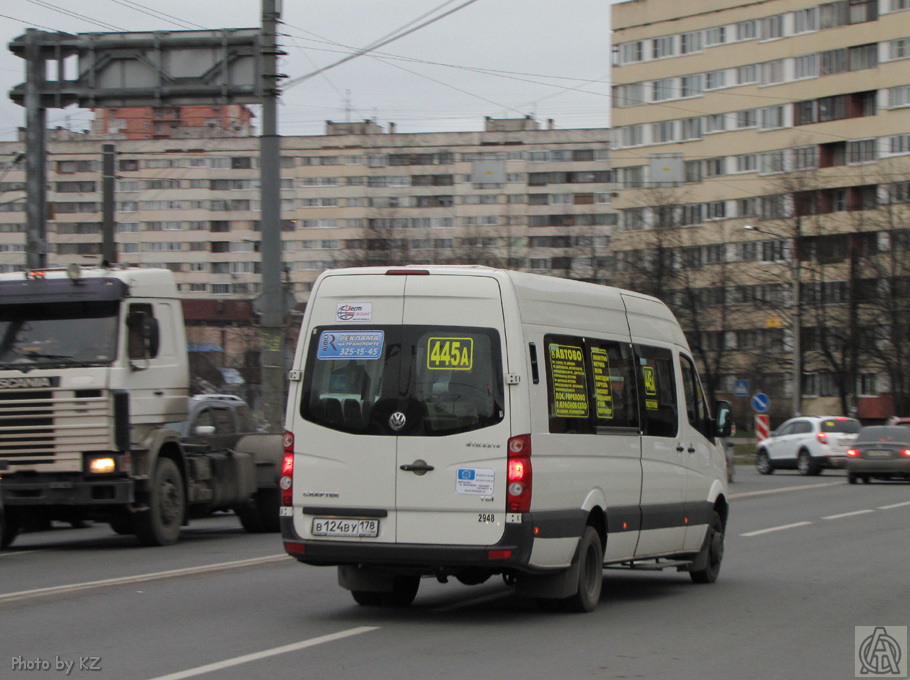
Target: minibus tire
[714, 546]
[404, 590]
[590, 572]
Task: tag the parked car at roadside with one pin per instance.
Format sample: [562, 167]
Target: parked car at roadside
[808, 444]
[879, 452]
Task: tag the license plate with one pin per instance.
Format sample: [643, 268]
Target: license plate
[346, 528]
[878, 453]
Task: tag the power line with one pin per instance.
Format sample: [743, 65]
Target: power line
[75, 15]
[157, 14]
[395, 35]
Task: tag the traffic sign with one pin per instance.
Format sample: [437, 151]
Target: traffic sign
[760, 402]
[740, 388]
[762, 426]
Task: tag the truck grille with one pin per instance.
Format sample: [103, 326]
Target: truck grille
[54, 426]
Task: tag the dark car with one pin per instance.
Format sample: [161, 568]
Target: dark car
[879, 452]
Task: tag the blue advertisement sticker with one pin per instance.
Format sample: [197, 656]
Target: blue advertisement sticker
[350, 345]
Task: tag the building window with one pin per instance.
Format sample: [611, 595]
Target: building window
[899, 49]
[772, 72]
[747, 118]
[632, 52]
[663, 132]
[715, 80]
[691, 86]
[690, 128]
[861, 151]
[747, 74]
[772, 27]
[834, 61]
[747, 163]
[805, 20]
[773, 117]
[805, 66]
[716, 35]
[862, 57]
[662, 89]
[662, 47]
[746, 30]
[690, 42]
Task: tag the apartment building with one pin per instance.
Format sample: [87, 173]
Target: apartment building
[162, 122]
[513, 194]
[763, 155]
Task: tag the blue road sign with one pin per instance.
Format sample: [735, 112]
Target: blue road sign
[760, 402]
[740, 388]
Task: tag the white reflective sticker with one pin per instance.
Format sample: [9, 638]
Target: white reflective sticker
[475, 481]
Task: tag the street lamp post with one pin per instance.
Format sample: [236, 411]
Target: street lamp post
[796, 318]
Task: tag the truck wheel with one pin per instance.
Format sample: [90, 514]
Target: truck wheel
[260, 515]
[590, 572]
[712, 552]
[9, 530]
[160, 524]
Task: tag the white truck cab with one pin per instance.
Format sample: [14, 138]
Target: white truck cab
[466, 421]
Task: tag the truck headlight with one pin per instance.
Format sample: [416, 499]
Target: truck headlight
[102, 466]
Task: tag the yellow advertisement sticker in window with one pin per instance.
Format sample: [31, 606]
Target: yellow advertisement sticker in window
[450, 354]
[603, 391]
[570, 390]
[650, 380]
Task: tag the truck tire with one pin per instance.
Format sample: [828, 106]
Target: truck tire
[160, 524]
[260, 515]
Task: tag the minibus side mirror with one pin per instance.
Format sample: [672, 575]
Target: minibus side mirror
[723, 419]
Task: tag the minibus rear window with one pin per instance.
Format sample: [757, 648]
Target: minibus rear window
[443, 379]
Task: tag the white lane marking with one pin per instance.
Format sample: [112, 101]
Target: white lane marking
[849, 514]
[140, 578]
[275, 651]
[13, 553]
[752, 494]
[891, 507]
[780, 528]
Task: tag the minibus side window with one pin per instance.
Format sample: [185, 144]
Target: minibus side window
[696, 407]
[590, 385]
[657, 391]
[611, 367]
[567, 385]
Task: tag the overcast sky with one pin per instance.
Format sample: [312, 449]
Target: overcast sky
[499, 58]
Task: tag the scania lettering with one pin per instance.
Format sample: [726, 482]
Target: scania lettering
[501, 424]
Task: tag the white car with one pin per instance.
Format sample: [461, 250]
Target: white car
[807, 444]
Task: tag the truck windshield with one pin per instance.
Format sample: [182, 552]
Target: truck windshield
[58, 334]
[443, 380]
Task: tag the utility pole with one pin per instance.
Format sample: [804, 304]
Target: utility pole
[272, 306]
[35, 163]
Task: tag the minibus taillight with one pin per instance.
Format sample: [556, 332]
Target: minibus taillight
[853, 453]
[519, 476]
[287, 468]
[822, 437]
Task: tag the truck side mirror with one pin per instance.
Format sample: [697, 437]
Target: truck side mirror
[723, 419]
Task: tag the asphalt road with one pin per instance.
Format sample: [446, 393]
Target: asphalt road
[807, 560]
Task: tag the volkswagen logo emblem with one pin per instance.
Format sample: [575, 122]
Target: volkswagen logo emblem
[397, 420]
